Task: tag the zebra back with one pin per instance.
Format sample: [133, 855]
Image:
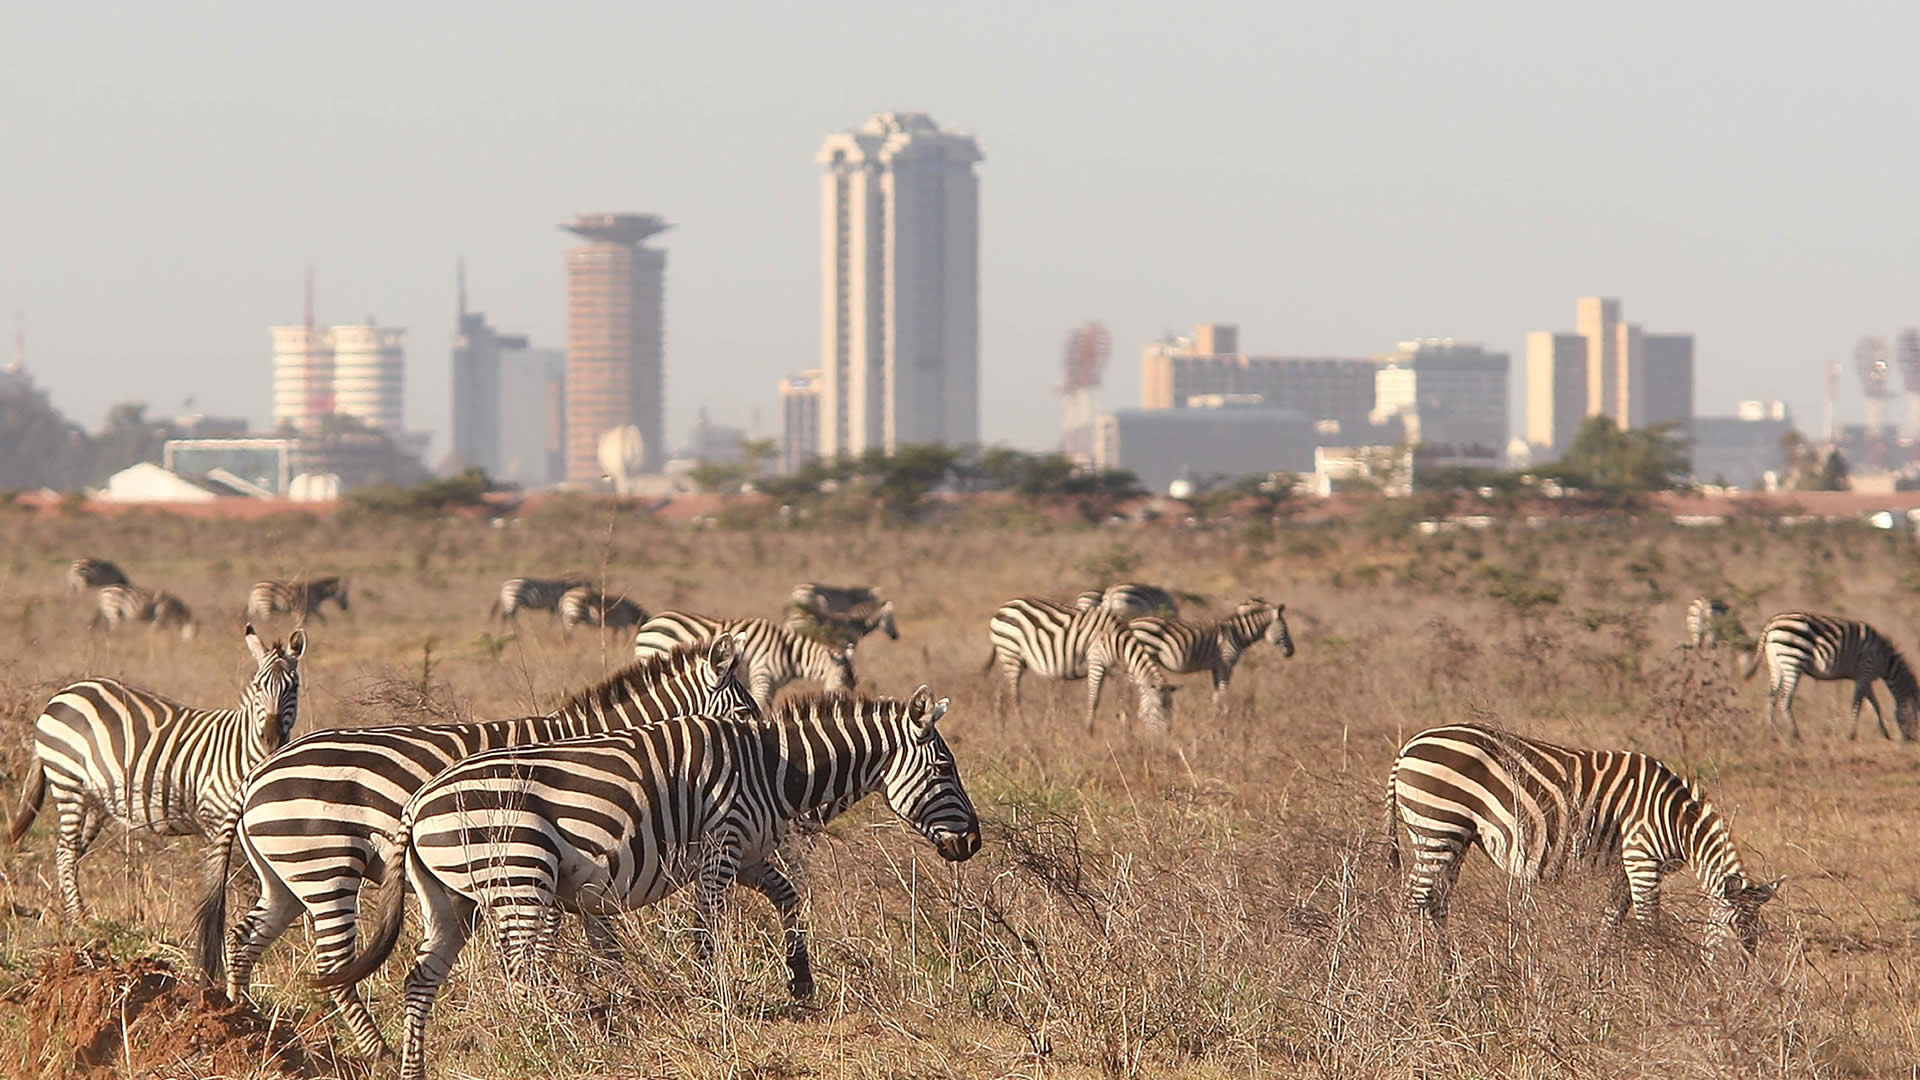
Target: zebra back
[585, 604]
[130, 603]
[774, 657]
[1131, 599]
[534, 594]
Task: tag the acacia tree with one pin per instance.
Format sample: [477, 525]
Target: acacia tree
[1604, 458]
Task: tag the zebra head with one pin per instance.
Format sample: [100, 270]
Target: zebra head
[883, 620]
[271, 701]
[1736, 910]
[340, 593]
[1276, 631]
[923, 786]
[727, 693]
[839, 676]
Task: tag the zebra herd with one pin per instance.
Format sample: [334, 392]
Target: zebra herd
[683, 768]
[118, 600]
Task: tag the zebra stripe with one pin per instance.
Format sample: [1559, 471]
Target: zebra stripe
[92, 573]
[1185, 648]
[586, 604]
[622, 820]
[533, 594]
[1703, 616]
[297, 598]
[1829, 649]
[1062, 642]
[1536, 809]
[313, 818]
[1130, 600]
[109, 750]
[774, 657]
[133, 604]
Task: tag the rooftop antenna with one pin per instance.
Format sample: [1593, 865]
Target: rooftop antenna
[1870, 358]
[319, 393]
[19, 342]
[460, 276]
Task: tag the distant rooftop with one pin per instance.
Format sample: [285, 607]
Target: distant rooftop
[617, 228]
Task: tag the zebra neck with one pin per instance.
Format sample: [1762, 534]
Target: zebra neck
[1241, 630]
[831, 761]
[1709, 850]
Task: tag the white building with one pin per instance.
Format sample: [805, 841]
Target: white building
[302, 376]
[799, 420]
[1451, 395]
[369, 364]
[899, 261]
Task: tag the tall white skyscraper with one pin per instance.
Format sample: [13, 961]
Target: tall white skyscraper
[900, 276]
[369, 365]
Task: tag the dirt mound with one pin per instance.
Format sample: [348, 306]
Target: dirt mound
[85, 1014]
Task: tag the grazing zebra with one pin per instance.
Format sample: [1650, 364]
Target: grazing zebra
[586, 604]
[1062, 642]
[109, 750]
[93, 573]
[622, 820]
[533, 594]
[133, 604]
[313, 820]
[297, 598]
[774, 657]
[1130, 600]
[1538, 809]
[1183, 648]
[1829, 648]
[842, 629]
[833, 599]
[1703, 617]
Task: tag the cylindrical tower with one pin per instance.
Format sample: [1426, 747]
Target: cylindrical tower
[369, 363]
[302, 362]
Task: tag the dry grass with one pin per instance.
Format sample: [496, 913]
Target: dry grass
[1212, 905]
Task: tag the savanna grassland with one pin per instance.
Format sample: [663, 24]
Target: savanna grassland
[1213, 904]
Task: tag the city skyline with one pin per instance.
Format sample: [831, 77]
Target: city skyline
[1760, 208]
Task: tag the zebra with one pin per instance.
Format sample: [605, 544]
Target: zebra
[1830, 648]
[109, 750]
[92, 573]
[774, 656]
[133, 604]
[1130, 600]
[533, 594]
[1183, 648]
[833, 599]
[842, 629]
[1703, 617]
[311, 820]
[622, 820]
[298, 598]
[586, 604]
[1538, 809]
[1062, 642]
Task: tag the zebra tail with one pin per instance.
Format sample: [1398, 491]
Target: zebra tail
[390, 911]
[210, 919]
[31, 796]
[493, 609]
[1753, 661]
[1393, 830]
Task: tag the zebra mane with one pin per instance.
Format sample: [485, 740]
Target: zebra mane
[805, 707]
[604, 694]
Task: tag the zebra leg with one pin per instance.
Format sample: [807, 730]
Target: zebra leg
[1619, 898]
[775, 886]
[1096, 675]
[601, 937]
[449, 919]
[1222, 675]
[1642, 872]
[1864, 691]
[1436, 866]
[79, 824]
[719, 869]
[1781, 697]
[332, 908]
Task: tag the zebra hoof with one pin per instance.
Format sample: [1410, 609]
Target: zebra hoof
[801, 988]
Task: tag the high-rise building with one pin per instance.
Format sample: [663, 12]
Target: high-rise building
[1556, 391]
[533, 426]
[302, 377]
[477, 349]
[900, 307]
[369, 364]
[1632, 376]
[1335, 389]
[615, 323]
[1669, 378]
[1449, 394]
[799, 420]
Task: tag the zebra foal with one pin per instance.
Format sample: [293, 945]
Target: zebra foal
[297, 598]
[313, 820]
[1085, 642]
[588, 605]
[1829, 648]
[1703, 622]
[1185, 648]
[107, 750]
[116, 604]
[774, 656]
[1537, 809]
[613, 822]
[90, 573]
[532, 594]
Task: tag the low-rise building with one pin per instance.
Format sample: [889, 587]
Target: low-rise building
[1224, 435]
[1740, 450]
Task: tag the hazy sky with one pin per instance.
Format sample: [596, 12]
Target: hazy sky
[1330, 179]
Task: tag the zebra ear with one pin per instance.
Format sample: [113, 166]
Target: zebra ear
[297, 642]
[723, 654]
[254, 645]
[919, 704]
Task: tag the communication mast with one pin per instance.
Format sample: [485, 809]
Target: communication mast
[1906, 354]
[1870, 362]
[1083, 365]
